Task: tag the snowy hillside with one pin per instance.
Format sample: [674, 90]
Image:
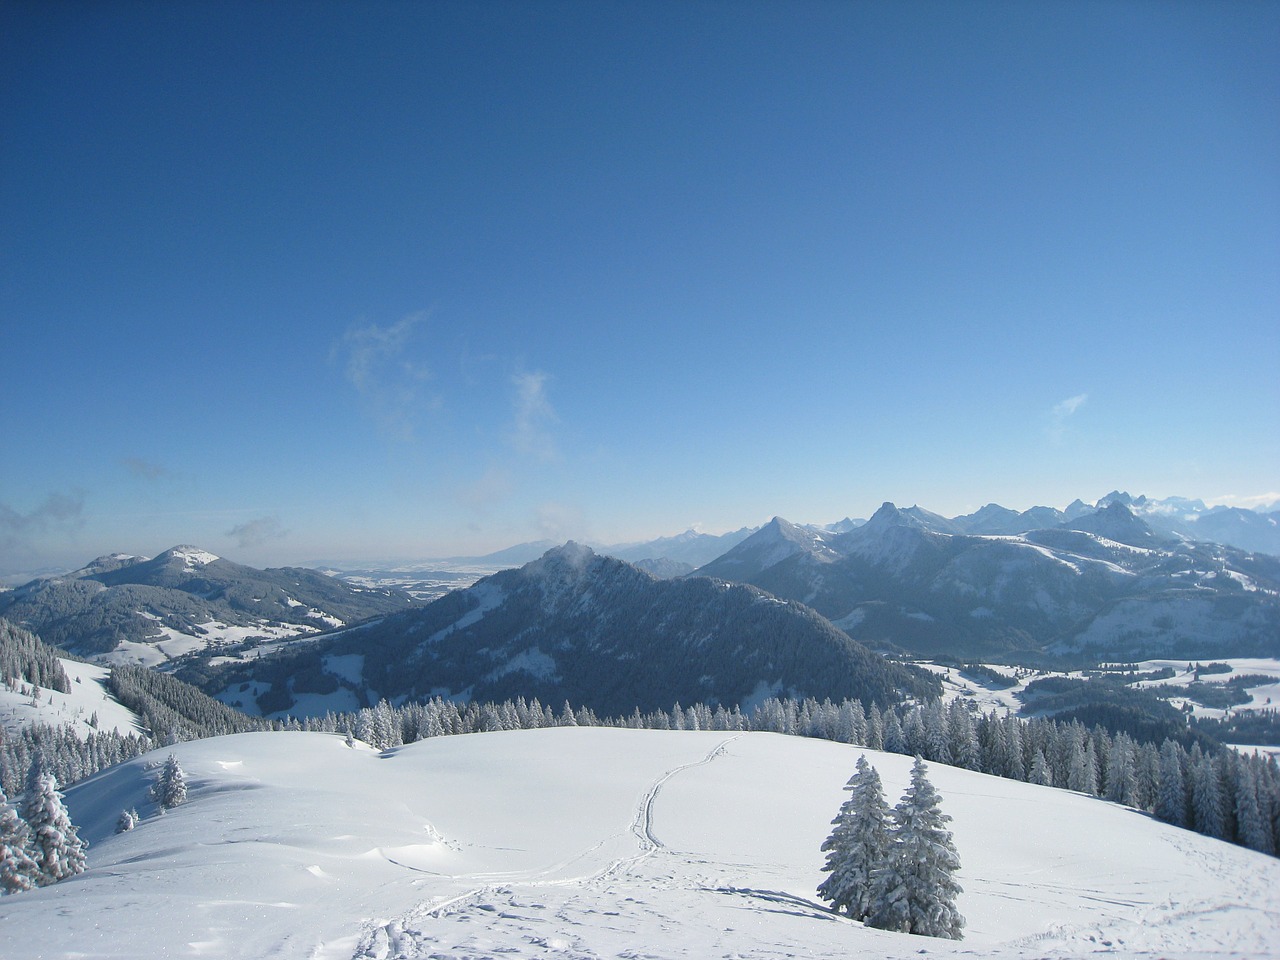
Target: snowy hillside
[126, 609]
[87, 700]
[576, 626]
[574, 843]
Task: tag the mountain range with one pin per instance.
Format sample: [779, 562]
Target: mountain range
[128, 608]
[1104, 584]
[1174, 518]
[576, 626]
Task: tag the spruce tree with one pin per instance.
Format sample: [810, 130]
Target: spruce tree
[56, 847]
[915, 891]
[858, 844]
[18, 871]
[1171, 800]
[170, 788]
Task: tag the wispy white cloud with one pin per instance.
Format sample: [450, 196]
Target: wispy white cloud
[378, 362]
[1061, 412]
[1069, 406]
[254, 533]
[58, 511]
[531, 431]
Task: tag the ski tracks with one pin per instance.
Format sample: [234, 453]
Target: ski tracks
[404, 938]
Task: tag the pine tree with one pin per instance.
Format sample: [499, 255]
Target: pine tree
[18, 871]
[128, 820]
[1040, 771]
[55, 845]
[858, 844]
[915, 891]
[170, 788]
[1207, 804]
[1171, 801]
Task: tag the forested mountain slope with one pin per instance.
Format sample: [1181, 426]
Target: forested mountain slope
[585, 628]
[122, 608]
[1103, 584]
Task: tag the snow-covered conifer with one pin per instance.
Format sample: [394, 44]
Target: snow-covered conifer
[1171, 801]
[56, 847]
[1040, 771]
[858, 844]
[128, 820]
[894, 739]
[1254, 830]
[18, 871]
[915, 891]
[170, 787]
[1207, 804]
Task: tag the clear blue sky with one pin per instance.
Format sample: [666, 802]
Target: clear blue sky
[295, 281]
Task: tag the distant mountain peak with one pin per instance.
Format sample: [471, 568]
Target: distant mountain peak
[572, 553]
[192, 556]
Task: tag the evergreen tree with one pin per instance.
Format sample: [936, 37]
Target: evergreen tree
[18, 871]
[128, 820]
[170, 788]
[915, 891]
[1206, 799]
[1171, 800]
[858, 844]
[1254, 830]
[1040, 772]
[55, 845]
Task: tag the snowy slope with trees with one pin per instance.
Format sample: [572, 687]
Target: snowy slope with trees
[575, 842]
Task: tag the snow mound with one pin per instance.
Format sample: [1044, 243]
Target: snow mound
[603, 843]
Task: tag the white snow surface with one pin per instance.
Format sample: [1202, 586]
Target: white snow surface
[579, 842]
[193, 556]
[87, 697]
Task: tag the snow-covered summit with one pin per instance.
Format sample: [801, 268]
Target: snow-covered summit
[193, 557]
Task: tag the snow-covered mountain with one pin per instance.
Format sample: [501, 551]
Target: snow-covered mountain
[692, 547]
[1101, 584]
[581, 627]
[122, 608]
[583, 843]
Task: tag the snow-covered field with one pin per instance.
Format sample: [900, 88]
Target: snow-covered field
[985, 695]
[213, 634]
[575, 842]
[988, 697]
[87, 697]
[1265, 696]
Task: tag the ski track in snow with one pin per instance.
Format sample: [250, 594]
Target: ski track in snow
[405, 937]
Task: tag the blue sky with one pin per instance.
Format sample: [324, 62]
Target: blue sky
[301, 281]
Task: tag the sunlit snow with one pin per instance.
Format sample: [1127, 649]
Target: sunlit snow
[578, 842]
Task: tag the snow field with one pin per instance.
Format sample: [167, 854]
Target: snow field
[87, 696]
[577, 843]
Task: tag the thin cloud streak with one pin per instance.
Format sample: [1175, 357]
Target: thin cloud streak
[534, 415]
[254, 533]
[387, 380]
[1069, 406]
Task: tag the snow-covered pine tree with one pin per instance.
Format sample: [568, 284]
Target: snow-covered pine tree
[170, 788]
[1040, 770]
[858, 844]
[1207, 805]
[18, 871]
[127, 821]
[915, 891]
[56, 847]
[1171, 800]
